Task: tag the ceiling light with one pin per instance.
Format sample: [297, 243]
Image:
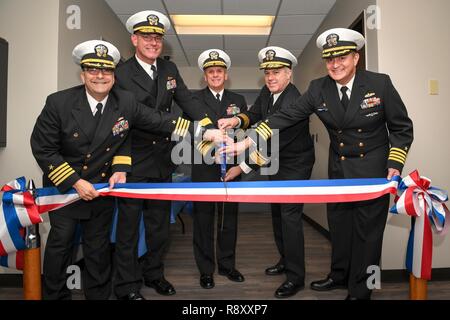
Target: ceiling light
[222, 24]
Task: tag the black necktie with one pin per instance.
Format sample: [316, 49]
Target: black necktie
[155, 73]
[218, 97]
[97, 117]
[98, 114]
[154, 90]
[270, 107]
[344, 100]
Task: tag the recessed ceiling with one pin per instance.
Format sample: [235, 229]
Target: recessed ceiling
[295, 23]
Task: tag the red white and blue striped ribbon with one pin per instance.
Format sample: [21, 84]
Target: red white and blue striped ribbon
[13, 260]
[425, 204]
[301, 191]
[416, 198]
[17, 211]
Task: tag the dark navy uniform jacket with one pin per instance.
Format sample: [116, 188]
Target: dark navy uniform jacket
[151, 152]
[375, 132]
[68, 145]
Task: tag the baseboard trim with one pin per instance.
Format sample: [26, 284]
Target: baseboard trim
[387, 276]
[11, 280]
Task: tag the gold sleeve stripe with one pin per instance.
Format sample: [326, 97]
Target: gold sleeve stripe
[397, 154]
[264, 130]
[264, 125]
[185, 127]
[205, 146]
[396, 159]
[245, 120]
[64, 177]
[121, 160]
[202, 144]
[262, 133]
[204, 122]
[177, 126]
[58, 169]
[181, 127]
[60, 174]
[399, 150]
[256, 157]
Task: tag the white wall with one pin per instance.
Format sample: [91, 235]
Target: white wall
[413, 47]
[98, 21]
[311, 66]
[40, 63]
[32, 75]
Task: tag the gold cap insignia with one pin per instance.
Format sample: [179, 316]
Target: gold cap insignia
[213, 55]
[101, 50]
[270, 54]
[332, 39]
[153, 20]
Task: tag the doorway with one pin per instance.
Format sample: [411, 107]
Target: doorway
[359, 25]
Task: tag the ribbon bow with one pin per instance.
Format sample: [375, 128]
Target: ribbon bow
[17, 211]
[425, 204]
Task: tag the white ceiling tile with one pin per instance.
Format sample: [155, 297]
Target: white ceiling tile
[193, 6]
[297, 24]
[132, 6]
[244, 42]
[298, 20]
[199, 42]
[289, 42]
[245, 59]
[289, 7]
[254, 7]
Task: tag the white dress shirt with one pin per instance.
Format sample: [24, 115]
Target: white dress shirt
[214, 93]
[147, 67]
[349, 86]
[93, 103]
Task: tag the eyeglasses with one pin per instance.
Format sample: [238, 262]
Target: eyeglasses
[95, 71]
[151, 37]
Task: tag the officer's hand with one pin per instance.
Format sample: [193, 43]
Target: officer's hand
[392, 172]
[232, 173]
[236, 148]
[228, 123]
[117, 177]
[217, 136]
[85, 190]
[218, 158]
